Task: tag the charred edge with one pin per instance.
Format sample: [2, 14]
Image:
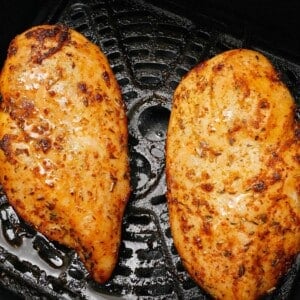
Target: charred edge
[6, 147]
[19, 111]
[200, 66]
[59, 32]
[12, 49]
[274, 77]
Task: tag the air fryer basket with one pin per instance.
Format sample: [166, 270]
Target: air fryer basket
[149, 49]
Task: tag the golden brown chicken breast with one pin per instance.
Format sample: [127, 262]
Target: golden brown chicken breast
[63, 141]
[233, 176]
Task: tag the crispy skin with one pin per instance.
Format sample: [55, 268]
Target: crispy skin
[63, 140]
[232, 163]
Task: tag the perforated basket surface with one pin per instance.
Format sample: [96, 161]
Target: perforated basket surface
[149, 50]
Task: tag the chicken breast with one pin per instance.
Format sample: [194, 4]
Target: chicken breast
[63, 141]
[233, 176]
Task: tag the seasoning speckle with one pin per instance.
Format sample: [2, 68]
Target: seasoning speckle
[82, 87]
[259, 186]
[44, 144]
[241, 270]
[207, 187]
[106, 78]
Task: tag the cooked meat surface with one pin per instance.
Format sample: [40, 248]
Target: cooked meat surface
[233, 176]
[63, 141]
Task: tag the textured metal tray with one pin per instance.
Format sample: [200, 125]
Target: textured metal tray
[149, 49]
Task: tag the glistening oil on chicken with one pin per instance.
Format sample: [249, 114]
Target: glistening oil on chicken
[63, 141]
[232, 163]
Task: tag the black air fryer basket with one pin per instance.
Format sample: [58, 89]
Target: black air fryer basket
[150, 46]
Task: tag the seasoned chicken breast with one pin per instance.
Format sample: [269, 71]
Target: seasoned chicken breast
[233, 176]
[63, 141]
